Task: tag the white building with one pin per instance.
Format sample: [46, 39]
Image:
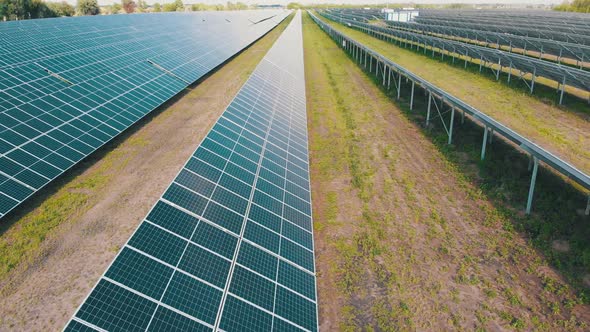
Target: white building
[400, 15]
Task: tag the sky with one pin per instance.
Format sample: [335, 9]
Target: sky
[284, 2]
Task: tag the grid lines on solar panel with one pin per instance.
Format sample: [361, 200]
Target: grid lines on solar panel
[229, 245]
[68, 86]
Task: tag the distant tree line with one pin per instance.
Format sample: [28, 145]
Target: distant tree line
[26, 9]
[580, 6]
[178, 6]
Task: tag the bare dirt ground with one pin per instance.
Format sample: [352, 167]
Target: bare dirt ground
[117, 188]
[403, 240]
[561, 129]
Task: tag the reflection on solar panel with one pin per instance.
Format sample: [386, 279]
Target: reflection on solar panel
[69, 85]
[229, 246]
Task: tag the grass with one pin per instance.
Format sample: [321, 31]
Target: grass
[378, 257]
[561, 129]
[503, 178]
[63, 202]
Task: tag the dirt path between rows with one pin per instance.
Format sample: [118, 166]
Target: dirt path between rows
[403, 241]
[119, 189]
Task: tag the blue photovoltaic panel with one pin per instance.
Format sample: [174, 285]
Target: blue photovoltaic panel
[69, 85]
[229, 245]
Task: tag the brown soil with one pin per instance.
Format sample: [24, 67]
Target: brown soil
[43, 295]
[403, 241]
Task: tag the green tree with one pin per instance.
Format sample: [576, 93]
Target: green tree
[62, 8]
[580, 6]
[141, 6]
[157, 8]
[169, 7]
[40, 9]
[197, 7]
[129, 6]
[179, 5]
[88, 7]
[115, 8]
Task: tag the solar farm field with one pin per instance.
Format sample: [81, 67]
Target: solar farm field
[280, 170]
[561, 129]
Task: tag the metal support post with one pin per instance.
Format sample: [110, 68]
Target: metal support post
[485, 142]
[429, 104]
[399, 84]
[491, 135]
[412, 97]
[533, 81]
[587, 212]
[463, 117]
[562, 91]
[451, 126]
[388, 78]
[529, 202]
[509, 72]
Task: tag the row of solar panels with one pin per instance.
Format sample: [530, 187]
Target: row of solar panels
[569, 22]
[539, 30]
[229, 245]
[562, 74]
[57, 107]
[578, 52]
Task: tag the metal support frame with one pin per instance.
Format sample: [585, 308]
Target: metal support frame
[484, 143]
[451, 126]
[533, 80]
[399, 84]
[429, 104]
[388, 78]
[412, 96]
[562, 91]
[529, 202]
[587, 212]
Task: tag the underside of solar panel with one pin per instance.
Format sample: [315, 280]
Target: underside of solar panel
[69, 85]
[229, 245]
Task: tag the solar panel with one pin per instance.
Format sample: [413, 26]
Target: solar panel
[564, 75]
[229, 245]
[69, 85]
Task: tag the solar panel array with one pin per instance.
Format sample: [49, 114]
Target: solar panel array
[562, 74]
[69, 85]
[560, 49]
[229, 246]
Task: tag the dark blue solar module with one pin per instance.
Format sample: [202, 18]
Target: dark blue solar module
[229, 245]
[69, 85]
